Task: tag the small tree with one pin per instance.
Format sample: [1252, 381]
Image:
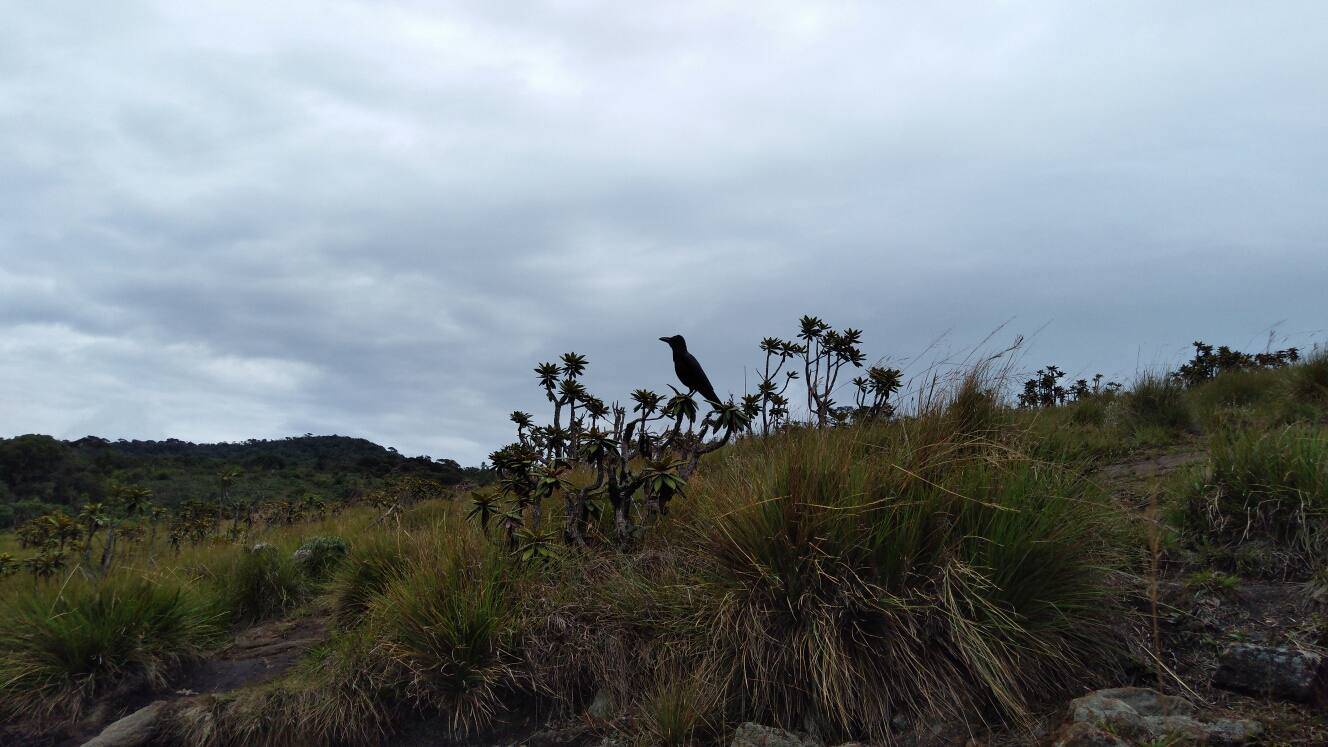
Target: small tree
[824, 354]
[770, 392]
[874, 392]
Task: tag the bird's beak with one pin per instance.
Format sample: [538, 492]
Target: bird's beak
[663, 339]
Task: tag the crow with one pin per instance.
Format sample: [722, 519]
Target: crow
[688, 370]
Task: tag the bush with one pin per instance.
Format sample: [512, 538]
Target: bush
[60, 651]
[258, 584]
[320, 556]
[848, 584]
[1264, 486]
[1158, 400]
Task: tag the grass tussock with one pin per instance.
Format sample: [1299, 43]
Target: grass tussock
[1309, 379]
[1263, 486]
[258, 583]
[858, 575]
[370, 566]
[62, 648]
[1159, 400]
[451, 624]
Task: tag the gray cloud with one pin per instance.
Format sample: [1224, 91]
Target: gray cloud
[229, 220]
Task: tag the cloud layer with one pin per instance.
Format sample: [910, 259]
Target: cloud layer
[229, 220]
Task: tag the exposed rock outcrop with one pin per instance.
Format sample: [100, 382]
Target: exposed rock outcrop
[1266, 671]
[1112, 718]
[132, 730]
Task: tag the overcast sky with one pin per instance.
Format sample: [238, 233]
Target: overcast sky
[225, 220]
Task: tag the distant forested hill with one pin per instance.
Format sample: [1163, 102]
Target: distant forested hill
[38, 473]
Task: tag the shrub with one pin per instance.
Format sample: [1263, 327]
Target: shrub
[258, 584]
[59, 651]
[848, 584]
[320, 556]
[1270, 486]
[1159, 401]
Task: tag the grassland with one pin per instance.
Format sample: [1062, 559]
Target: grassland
[968, 562]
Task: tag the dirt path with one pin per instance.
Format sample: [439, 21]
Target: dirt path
[258, 654]
[1148, 467]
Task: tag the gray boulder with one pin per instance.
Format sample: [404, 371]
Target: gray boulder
[1267, 671]
[755, 735]
[132, 730]
[1137, 713]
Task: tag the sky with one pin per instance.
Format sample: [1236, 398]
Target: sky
[233, 220]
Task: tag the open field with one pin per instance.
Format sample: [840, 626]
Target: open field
[968, 564]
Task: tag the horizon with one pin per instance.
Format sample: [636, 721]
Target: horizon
[233, 221]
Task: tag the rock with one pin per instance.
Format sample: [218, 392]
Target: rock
[1081, 734]
[755, 735]
[569, 737]
[1141, 714]
[601, 707]
[301, 555]
[1135, 712]
[1266, 671]
[132, 730]
[1147, 702]
[1224, 732]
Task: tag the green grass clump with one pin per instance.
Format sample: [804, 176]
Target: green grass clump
[1309, 378]
[59, 650]
[429, 626]
[259, 583]
[1158, 400]
[1237, 389]
[682, 709]
[451, 624]
[1263, 486]
[1213, 583]
[320, 556]
[365, 574]
[855, 575]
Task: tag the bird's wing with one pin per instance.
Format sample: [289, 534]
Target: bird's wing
[700, 382]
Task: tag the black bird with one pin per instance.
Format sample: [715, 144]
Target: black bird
[688, 370]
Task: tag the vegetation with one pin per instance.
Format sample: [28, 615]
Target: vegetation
[958, 559]
[39, 474]
[62, 648]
